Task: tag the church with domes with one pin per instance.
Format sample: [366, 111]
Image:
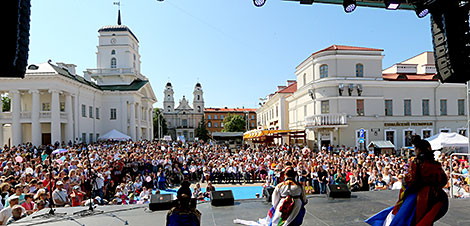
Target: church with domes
[184, 119]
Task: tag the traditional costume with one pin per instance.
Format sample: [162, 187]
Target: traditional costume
[288, 201]
[421, 201]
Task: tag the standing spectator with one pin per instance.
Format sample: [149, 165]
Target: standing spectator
[340, 177]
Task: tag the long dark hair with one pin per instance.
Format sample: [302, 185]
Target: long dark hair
[424, 147]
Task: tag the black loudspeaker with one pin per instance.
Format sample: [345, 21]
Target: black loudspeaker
[451, 41]
[268, 192]
[338, 191]
[161, 202]
[15, 16]
[222, 198]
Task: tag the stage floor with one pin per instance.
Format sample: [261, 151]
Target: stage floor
[320, 211]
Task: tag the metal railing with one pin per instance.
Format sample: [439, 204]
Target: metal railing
[456, 174]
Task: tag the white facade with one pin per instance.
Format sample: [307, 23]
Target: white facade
[184, 119]
[272, 114]
[54, 104]
[342, 90]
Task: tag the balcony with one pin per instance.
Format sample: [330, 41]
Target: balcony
[326, 121]
[111, 71]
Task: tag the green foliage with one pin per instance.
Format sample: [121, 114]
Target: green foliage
[156, 117]
[201, 131]
[234, 123]
[6, 102]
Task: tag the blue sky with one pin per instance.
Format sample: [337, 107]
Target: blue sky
[238, 52]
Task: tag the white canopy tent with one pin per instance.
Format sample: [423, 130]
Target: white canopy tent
[114, 135]
[447, 140]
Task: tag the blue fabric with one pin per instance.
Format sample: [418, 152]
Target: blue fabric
[403, 217]
[182, 220]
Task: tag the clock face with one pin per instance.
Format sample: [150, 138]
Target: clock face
[113, 41]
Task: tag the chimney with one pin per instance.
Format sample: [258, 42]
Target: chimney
[87, 75]
[280, 87]
[290, 82]
[69, 67]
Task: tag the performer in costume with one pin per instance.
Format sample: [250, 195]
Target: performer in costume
[288, 201]
[421, 201]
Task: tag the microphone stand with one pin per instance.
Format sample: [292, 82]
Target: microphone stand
[93, 183]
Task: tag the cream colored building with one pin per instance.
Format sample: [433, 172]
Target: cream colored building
[55, 104]
[343, 93]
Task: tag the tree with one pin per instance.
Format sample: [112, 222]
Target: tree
[158, 116]
[6, 102]
[201, 131]
[234, 123]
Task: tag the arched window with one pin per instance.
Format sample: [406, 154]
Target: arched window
[198, 97]
[198, 108]
[323, 71]
[359, 70]
[113, 62]
[113, 52]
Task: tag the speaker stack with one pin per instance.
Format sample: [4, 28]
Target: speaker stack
[161, 202]
[338, 191]
[222, 198]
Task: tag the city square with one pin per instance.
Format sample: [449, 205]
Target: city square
[183, 105]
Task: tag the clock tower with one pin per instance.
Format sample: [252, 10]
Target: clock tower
[118, 58]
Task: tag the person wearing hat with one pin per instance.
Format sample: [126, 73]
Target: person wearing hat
[59, 195]
[76, 196]
[6, 212]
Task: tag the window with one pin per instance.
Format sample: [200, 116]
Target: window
[83, 110]
[215, 116]
[184, 122]
[97, 111]
[46, 106]
[390, 136]
[198, 97]
[461, 106]
[113, 52]
[277, 111]
[90, 112]
[359, 70]
[388, 108]
[62, 106]
[113, 114]
[252, 124]
[425, 106]
[444, 130]
[208, 116]
[407, 137]
[324, 71]
[198, 108]
[325, 106]
[443, 106]
[407, 107]
[426, 133]
[84, 137]
[97, 136]
[360, 107]
[113, 62]
[462, 131]
[91, 137]
[215, 124]
[209, 124]
[253, 117]
[222, 117]
[221, 125]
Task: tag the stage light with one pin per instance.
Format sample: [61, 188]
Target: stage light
[392, 4]
[259, 3]
[349, 5]
[421, 10]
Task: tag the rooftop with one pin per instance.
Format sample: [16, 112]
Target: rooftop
[225, 109]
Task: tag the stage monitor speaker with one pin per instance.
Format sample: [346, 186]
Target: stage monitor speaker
[161, 202]
[338, 191]
[451, 41]
[268, 192]
[222, 198]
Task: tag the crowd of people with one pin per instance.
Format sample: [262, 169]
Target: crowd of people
[129, 172]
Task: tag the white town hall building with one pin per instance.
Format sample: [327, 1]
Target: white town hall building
[54, 104]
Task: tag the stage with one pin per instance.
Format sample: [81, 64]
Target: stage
[321, 211]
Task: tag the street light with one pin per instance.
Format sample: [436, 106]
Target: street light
[259, 3]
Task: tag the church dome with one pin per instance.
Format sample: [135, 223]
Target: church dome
[198, 85]
[168, 84]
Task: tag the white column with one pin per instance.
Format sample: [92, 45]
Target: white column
[15, 118]
[69, 125]
[124, 121]
[151, 123]
[55, 117]
[139, 121]
[132, 121]
[35, 124]
[76, 116]
[1, 135]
